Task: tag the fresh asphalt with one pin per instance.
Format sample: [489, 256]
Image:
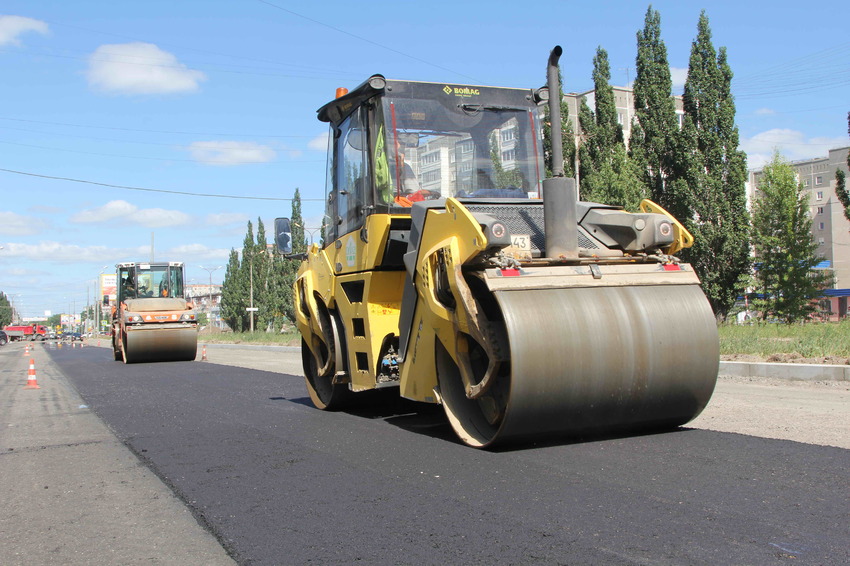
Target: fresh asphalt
[238, 456]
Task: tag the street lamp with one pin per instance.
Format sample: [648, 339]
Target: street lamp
[210, 271]
[99, 299]
[308, 230]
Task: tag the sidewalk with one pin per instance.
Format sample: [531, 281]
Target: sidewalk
[72, 493]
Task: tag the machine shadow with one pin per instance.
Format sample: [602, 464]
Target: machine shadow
[430, 420]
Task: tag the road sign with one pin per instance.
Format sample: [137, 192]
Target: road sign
[252, 309]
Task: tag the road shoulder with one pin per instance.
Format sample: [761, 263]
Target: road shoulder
[72, 493]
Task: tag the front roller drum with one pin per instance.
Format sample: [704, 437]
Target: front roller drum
[160, 345]
[589, 361]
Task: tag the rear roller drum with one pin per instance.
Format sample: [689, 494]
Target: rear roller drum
[324, 393]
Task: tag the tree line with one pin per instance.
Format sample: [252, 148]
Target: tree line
[696, 171]
[260, 277]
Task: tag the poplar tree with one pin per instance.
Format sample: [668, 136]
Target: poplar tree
[710, 176]
[785, 249]
[651, 144]
[606, 174]
[841, 182]
[232, 294]
[264, 317]
[288, 268]
[5, 310]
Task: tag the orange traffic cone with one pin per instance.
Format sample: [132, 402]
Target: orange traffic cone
[204, 353]
[27, 351]
[32, 382]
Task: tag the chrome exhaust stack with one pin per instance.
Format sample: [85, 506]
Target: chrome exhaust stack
[559, 192]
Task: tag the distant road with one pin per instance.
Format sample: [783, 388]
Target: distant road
[279, 482]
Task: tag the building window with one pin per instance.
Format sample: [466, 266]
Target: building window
[818, 180]
[430, 158]
[806, 183]
[509, 134]
[509, 155]
[820, 210]
[467, 146]
[820, 195]
[820, 241]
[431, 176]
[820, 226]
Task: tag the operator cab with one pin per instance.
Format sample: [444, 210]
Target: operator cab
[148, 280]
[393, 143]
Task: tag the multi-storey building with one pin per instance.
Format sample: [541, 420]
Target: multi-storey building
[206, 299]
[830, 228]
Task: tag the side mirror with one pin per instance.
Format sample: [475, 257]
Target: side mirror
[283, 235]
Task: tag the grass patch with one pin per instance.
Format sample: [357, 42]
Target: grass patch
[811, 340]
[291, 338]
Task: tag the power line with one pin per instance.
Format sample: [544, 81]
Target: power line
[375, 43]
[149, 190]
[146, 131]
[173, 159]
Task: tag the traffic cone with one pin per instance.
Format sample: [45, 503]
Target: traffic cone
[27, 351]
[204, 353]
[32, 382]
[73, 344]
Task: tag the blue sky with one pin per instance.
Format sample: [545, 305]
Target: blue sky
[110, 110]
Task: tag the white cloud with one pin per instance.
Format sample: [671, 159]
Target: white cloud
[160, 218]
[678, 76]
[199, 252]
[227, 153]
[319, 143]
[131, 214]
[16, 224]
[109, 211]
[65, 253]
[59, 252]
[140, 68]
[765, 112]
[225, 218]
[791, 144]
[11, 27]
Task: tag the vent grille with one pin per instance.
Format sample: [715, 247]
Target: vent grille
[526, 219]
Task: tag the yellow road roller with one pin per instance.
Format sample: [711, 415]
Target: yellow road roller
[151, 320]
[451, 270]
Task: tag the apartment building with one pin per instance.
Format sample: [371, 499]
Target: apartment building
[830, 228]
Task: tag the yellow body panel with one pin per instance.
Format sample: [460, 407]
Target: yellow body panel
[458, 236]
[321, 283]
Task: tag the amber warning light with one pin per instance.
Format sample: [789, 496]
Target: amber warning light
[341, 91]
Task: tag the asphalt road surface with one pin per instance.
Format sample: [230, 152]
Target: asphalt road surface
[279, 482]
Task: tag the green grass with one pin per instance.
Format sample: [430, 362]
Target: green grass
[808, 340]
[811, 340]
[291, 338]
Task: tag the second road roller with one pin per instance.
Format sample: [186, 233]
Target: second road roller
[152, 321]
[451, 270]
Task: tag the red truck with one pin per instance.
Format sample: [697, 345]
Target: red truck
[29, 332]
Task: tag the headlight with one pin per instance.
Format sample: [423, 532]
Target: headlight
[188, 316]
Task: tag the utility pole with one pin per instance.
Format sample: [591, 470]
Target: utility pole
[252, 292]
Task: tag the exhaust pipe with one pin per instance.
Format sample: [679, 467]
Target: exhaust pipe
[559, 193]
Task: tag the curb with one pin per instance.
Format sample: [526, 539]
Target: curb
[802, 372]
